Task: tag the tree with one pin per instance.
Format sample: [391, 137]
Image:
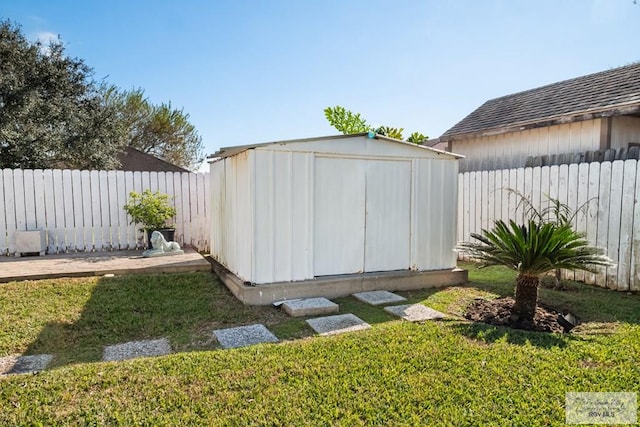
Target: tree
[533, 249]
[349, 123]
[160, 130]
[50, 112]
[345, 121]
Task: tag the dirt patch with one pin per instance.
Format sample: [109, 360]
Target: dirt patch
[500, 312]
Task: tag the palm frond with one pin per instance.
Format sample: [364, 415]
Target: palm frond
[535, 248]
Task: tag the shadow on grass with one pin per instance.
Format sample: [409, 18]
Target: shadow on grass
[185, 308]
[492, 334]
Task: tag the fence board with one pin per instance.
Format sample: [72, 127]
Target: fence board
[460, 210]
[513, 198]
[465, 209]
[634, 282]
[520, 188]
[96, 210]
[59, 234]
[29, 200]
[18, 197]
[491, 198]
[38, 193]
[87, 214]
[626, 225]
[603, 216]
[123, 223]
[615, 210]
[472, 202]
[581, 219]
[506, 196]
[130, 228]
[592, 212]
[48, 195]
[4, 247]
[484, 191]
[78, 211]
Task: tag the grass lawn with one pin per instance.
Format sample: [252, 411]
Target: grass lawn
[397, 373]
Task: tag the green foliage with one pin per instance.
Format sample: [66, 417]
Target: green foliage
[345, 121]
[417, 138]
[50, 112]
[151, 210]
[159, 130]
[390, 132]
[349, 123]
[535, 248]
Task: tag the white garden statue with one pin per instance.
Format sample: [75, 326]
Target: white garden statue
[160, 247]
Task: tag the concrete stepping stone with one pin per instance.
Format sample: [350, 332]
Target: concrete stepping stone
[339, 324]
[309, 307]
[415, 312]
[378, 297]
[133, 349]
[243, 336]
[24, 364]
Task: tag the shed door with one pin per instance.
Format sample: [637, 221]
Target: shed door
[388, 216]
[339, 216]
[362, 216]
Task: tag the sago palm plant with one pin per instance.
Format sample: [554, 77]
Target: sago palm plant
[533, 249]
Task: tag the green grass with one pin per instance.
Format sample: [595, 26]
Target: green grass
[397, 373]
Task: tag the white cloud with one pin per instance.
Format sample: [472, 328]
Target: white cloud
[46, 37]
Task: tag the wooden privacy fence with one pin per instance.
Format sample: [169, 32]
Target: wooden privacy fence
[83, 210]
[611, 219]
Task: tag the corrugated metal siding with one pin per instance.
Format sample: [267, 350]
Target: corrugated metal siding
[293, 215]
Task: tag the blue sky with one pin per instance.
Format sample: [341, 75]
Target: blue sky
[250, 71]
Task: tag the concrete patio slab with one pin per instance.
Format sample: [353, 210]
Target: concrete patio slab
[24, 364]
[378, 297]
[97, 264]
[333, 325]
[134, 349]
[243, 336]
[415, 312]
[309, 307]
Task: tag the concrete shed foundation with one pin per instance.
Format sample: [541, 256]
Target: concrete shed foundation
[337, 286]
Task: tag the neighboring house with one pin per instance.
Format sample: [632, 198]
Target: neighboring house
[132, 159]
[595, 112]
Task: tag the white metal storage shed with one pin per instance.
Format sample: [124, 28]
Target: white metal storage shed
[305, 209]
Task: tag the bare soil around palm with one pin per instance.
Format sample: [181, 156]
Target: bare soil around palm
[500, 312]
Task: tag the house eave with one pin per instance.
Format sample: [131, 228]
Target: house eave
[619, 110]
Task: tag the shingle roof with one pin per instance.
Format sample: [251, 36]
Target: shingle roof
[611, 92]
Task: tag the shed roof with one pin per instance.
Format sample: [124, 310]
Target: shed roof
[607, 93]
[232, 151]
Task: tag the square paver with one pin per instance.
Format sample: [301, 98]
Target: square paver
[24, 364]
[339, 324]
[309, 307]
[378, 297]
[243, 336]
[415, 312]
[133, 349]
